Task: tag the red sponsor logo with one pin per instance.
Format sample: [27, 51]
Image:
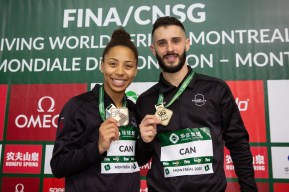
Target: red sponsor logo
[19, 184]
[3, 94]
[143, 186]
[260, 163]
[22, 159]
[249, 96]
[34, 110]
[145, 168]
[53, 185]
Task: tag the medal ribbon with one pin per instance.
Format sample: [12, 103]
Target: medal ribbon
[179, 92]
[101, 103]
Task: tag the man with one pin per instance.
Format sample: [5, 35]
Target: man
[186, 120]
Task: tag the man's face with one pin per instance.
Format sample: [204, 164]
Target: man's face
[169, 47]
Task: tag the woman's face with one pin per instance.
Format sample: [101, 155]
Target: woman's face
[119, 67]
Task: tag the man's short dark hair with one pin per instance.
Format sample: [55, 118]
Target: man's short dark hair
[166, 21]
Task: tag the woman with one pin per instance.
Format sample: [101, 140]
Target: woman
[95, 142]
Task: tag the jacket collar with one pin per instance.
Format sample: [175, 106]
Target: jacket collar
[165, 86]
[96, 90]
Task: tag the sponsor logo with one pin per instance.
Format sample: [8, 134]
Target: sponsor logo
[174, 138]
[132, 95]
[249, 97]
[53, 185]
[197, 160]
[135, 89]
[22, 159]
[187, 162]
[260, 163]
[176, 163]
[280, 162]
[56, 189]
[167, 171]
[17, 184]
[19, 187]
[165, 163]
[199, 100]
[34, 110]
[107, 167]
[44, 119]
[242, 105]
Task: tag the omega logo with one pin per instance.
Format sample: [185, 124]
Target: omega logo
[51, 109]
[19, 187]
[44, 119]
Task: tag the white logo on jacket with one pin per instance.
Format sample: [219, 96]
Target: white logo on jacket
[199, 100]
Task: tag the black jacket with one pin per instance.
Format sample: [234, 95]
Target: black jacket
[76, 156]
[206, 102]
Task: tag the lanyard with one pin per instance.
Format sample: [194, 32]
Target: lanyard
[101, 103]
[180, 91]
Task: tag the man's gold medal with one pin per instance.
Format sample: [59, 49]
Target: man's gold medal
[163, 114]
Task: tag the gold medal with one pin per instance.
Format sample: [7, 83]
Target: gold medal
[121, 115]
[163, 114]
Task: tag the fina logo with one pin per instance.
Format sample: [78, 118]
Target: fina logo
[199, 100]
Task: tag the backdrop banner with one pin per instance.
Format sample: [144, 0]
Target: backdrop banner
[51, 51]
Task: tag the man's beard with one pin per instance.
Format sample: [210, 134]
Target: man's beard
[172, 69]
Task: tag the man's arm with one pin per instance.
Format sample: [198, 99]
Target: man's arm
[237, 141]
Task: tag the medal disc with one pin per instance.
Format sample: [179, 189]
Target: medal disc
[121, 115]
[164, 115]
